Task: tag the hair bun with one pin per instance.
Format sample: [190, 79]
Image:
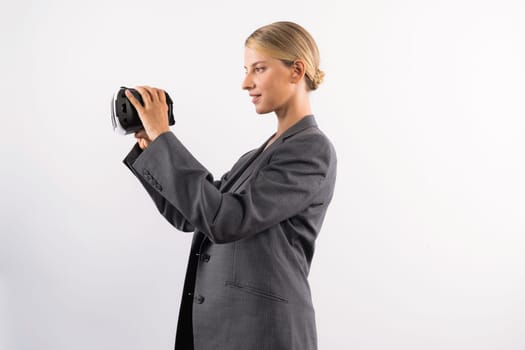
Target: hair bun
[317, 78]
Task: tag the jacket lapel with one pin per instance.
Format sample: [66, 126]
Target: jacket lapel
[241, 168]
[253, 163]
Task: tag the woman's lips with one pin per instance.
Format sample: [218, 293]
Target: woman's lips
[255, 98]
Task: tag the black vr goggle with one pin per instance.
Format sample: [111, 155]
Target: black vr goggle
[125, 117]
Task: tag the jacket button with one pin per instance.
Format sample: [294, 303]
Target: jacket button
[200, 299]
[205, 257]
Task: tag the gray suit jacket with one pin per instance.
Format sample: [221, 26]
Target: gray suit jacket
[246, 284]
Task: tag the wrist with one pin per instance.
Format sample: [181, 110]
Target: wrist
[157, 134]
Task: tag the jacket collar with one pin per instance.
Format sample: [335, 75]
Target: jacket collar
[304, 123]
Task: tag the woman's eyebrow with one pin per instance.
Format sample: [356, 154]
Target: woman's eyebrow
[256, 63]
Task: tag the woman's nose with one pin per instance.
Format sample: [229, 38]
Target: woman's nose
[247, 83]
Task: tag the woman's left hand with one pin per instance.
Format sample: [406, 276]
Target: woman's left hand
[154, 113]
[142, 139]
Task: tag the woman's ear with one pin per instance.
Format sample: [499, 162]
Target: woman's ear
[298, 71]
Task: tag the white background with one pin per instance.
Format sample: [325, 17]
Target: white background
[423, 245]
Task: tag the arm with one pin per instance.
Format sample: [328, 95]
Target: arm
[283, 187]
[172, 215]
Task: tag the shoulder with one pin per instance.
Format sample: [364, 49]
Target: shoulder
[308, 143]
[306, 154]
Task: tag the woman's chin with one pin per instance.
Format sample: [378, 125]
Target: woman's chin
[261, 110]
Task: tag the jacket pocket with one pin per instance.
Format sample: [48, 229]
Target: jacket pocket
[256, 291]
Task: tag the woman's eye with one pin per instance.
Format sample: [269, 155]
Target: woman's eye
[259, 69]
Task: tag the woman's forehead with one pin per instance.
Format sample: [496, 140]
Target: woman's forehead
[253, 56]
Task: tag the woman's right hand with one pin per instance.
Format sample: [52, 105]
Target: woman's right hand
[142, 139]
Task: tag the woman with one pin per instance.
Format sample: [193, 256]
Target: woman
[246, 283]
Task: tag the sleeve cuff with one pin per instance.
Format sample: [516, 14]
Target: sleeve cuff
[135, 152]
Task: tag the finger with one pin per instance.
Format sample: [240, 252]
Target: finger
[140, 134]
[145, 143]
[152, 93]
[162, 96]
[133, 100]
[146, 96]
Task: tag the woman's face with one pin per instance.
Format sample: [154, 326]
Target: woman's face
[268, 81]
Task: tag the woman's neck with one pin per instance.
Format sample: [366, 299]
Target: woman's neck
[291, 113]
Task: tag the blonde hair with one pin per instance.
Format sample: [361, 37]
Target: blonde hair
[288, 42]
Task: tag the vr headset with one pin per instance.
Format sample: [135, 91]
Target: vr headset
[125, 117]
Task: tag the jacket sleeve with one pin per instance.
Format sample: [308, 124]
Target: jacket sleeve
[281, 188]
[170, 213]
